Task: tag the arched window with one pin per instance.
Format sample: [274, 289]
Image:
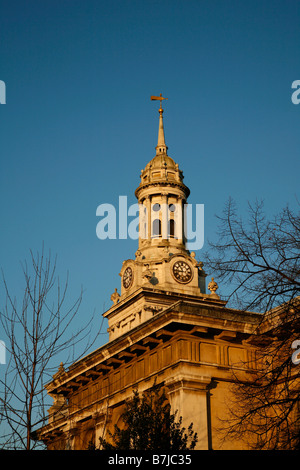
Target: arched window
[156, 228]
[171, 228]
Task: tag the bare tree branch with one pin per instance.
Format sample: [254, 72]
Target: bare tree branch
[38, 332]
[259, 262]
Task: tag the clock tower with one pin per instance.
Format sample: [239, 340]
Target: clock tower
[163, 268]
[163, 329]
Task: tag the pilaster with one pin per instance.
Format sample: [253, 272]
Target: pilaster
[188, 393]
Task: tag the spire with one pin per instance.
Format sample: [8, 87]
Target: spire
[161, 144]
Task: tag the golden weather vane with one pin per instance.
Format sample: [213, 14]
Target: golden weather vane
[160, 98]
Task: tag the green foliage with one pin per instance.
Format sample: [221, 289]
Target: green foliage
[150, 425]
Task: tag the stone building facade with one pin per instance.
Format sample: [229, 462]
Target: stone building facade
[163, 327]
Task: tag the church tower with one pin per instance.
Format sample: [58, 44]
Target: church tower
[162, 263]
[163, 328]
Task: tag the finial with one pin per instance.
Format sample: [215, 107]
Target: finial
[60, 371]
[161, 145]
[213, 286]
[115, 296]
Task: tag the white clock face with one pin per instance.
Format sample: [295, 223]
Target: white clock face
[127, 277]
[182, 272]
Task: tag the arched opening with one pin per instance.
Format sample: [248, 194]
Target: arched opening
[156, 228]
[171, 228]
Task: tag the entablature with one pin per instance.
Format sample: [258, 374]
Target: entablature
[182, 319]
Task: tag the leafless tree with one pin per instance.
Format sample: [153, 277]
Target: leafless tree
[258, 261]
[39, 333]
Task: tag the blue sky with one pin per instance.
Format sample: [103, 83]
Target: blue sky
[78, 125]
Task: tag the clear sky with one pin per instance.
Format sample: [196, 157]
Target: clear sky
[78, 124]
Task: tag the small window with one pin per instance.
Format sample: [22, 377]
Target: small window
[156, 207]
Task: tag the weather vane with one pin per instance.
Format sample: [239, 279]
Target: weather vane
[160, 98]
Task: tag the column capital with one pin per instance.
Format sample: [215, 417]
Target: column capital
[190, 382]
[104, 415]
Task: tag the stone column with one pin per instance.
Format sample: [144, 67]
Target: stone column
[143, 222]
[164, 216]
[102, 422]
[188, 395]
[179, 220]
[148, 215]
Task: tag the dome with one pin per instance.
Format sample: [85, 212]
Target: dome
[161, 161]
[161, 168]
